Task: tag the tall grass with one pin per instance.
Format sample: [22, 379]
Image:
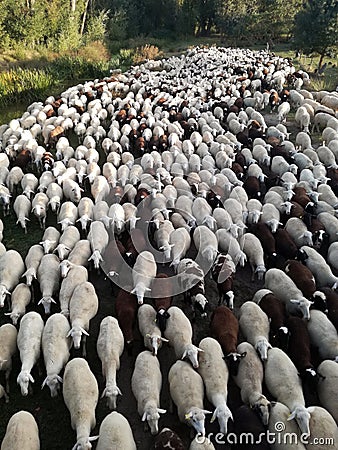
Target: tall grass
[26, 84]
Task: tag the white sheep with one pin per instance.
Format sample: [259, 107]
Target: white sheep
[85, 210]
[284, 383]
[318, 266]
[279, 166]
[117, 215]
[72, 190]
[67, 215]
[48, 276]
[32, 262]
[8, 339]
[253, 250]
[55, 349]
[187, 392]
[303, 141]
[322, 424]
[146, 383]
[29, 345]
[283, 111]
[201, 443]
[162, 237]
[115, 433]
[179, 241]
[207, 247]
[98, 238]
[254, 211]
[75, 276]
[80, 393]
[285, 289]
[29, 183]
[20, 298]
[14, 178]
[78, 256]
[130, 216]
[270, 216]
[215, 374]
[55, 194]
[22, 207]
[298, 232]
[45, 180]
[50, 239]
[149, 329]
[328, 371]
[280, 413]
[83, 306]
[144, 271]
[261, 155]
[323, 335]
[179, 334]
[21, 432]
[39, 208]
[327, 195]
[11, 270]
[99, 188]
[228, 244]
[255, 326]
[249, 379]
[332, 255]
[330, 224]
[202, 212]
[109, 345]
[303, 119]
[67, 241]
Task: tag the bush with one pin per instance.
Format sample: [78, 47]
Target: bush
[146, 52]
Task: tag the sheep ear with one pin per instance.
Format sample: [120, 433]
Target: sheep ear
[213, 418]
[161, 411]
[69, 332]
[144, 416]
[93, 438]
[164, 339]
[44, 383]
[184, 354]
[200, 350]
[84, 331]
[31, 378]
[291, 416]
[311, 409]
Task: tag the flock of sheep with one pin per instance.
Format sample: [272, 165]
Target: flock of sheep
[167, 179]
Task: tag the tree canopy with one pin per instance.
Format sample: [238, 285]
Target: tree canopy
[61, 25]
[316, 28]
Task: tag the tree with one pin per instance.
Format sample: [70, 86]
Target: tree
[316, 28]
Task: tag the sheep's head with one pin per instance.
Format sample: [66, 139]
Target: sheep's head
[302, 416]
[53, 382]
[84, 443]
[23, 380]
[65, 266]
[152, 416]
[223, 414]
[196, 418]
[191, 352]
[96, 258]
[46, 302]
[201, 302]
[3, 292]
[303, 305]
[262, 346]
[76, 334]
[111, 391]
[263, 406]
[260, 270]
[233, 359]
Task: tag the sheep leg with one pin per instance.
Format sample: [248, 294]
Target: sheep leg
[253, 272]
[84, 339]
[7, 374]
